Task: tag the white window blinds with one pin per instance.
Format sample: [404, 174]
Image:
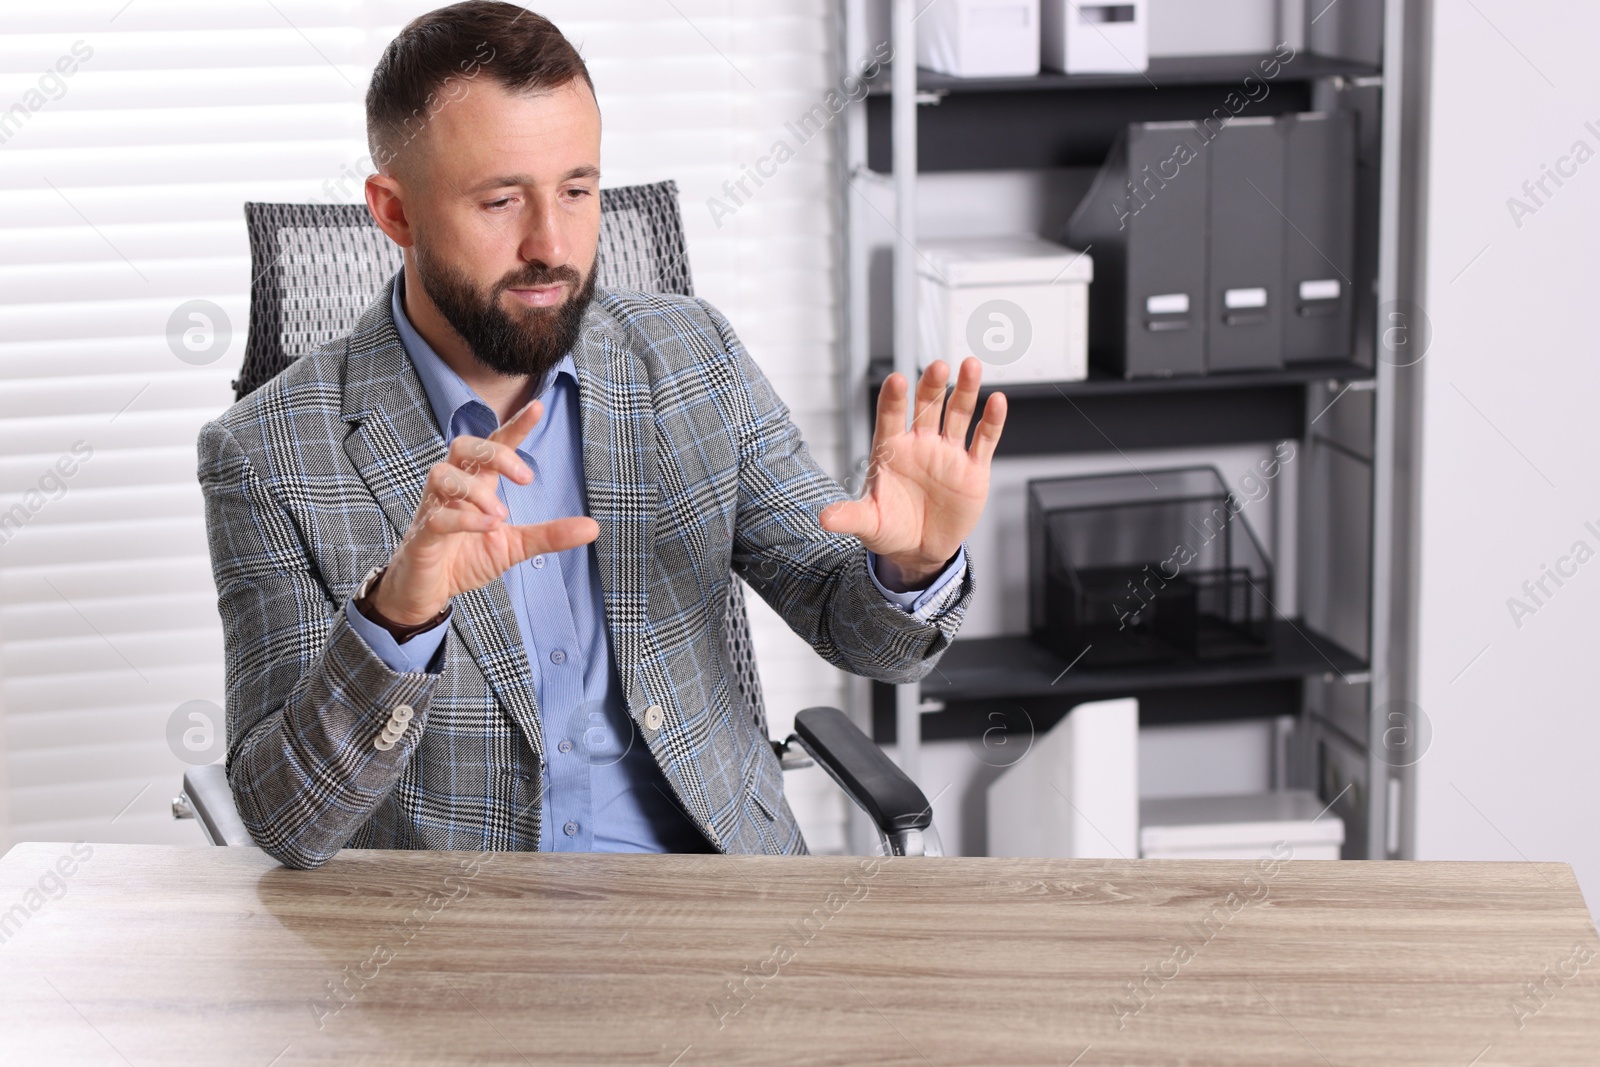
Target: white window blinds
[131, 134]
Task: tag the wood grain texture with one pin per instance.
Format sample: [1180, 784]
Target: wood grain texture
[161, 955]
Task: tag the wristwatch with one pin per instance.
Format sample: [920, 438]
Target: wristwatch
[399, 631]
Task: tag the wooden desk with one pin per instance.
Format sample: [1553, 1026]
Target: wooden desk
[157, 955]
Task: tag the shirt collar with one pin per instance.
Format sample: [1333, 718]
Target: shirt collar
[456, 408]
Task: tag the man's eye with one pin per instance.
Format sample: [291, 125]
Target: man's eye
[504, 201]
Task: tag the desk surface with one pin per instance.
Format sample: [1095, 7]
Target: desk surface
[159, 955]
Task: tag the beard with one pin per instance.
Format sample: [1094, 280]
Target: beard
[528, 341]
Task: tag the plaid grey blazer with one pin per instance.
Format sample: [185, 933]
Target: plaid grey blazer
[694, 472]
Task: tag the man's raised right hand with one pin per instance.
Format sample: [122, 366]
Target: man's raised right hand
[459, 539]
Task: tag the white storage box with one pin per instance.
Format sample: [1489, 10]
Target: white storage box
[979, 38]
[1248, 827]
[1075, 793]
[1217, 27]
[1092, 37]
[1020, 304]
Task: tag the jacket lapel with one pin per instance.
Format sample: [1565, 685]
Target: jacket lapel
[394, 442]
[619, 466]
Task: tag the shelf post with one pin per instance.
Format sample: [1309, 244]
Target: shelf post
[903, 108]
[1386, 680]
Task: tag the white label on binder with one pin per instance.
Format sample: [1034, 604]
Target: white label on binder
[1234, 299]
[1325, 289]
[1167, 304]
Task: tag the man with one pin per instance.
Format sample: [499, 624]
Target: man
[471, 559]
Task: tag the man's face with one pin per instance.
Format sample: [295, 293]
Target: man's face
[502, 196]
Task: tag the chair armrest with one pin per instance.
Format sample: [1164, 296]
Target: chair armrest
[208, 793]
[882, 790]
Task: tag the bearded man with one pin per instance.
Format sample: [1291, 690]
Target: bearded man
[471, 558]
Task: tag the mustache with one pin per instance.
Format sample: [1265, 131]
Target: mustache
[538, 274]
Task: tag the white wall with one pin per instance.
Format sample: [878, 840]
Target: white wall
[1510, 440]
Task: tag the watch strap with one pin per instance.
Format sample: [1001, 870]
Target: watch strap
[401, 632]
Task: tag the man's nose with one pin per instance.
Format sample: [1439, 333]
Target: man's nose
[542, 239]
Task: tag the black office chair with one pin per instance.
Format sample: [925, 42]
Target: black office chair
[316, 268]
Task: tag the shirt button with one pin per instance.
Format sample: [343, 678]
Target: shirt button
[565, 746]
[558, 657]
[538, 562]
[571, 829]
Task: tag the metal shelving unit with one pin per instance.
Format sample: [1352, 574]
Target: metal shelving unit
[1042, 121]
[1332, 667]
[1061, 418]
[982, 680]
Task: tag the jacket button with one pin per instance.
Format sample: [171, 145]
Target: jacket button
[652, 717]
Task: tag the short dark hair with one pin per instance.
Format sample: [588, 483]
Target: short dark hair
[438, 55]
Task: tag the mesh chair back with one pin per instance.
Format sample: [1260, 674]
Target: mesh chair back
[316, 268]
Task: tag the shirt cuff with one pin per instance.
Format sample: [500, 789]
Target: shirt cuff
[914, 600]
[414, 655]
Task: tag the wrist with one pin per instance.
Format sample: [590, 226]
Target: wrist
[905, 574]
[377, 599]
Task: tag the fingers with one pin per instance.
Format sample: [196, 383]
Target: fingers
[443, 520]
[467, 483]
[558, 535]
[987, 435]
[930, 396]
[855, 518]
[450, 485]
[891, 409]
[476, 455]
[469, 479]
[519, 426]
[958, 413]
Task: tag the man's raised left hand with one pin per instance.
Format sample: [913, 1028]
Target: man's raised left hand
[925, 489]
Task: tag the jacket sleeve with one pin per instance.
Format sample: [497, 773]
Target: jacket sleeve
[818, 581]
[306, 696]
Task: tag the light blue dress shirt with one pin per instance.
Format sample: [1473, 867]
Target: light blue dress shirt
[604, 791]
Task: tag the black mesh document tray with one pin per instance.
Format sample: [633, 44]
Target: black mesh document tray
[1145, 567]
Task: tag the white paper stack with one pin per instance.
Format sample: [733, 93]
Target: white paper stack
[1292, 824]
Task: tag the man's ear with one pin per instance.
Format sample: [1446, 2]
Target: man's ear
[385, 202]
